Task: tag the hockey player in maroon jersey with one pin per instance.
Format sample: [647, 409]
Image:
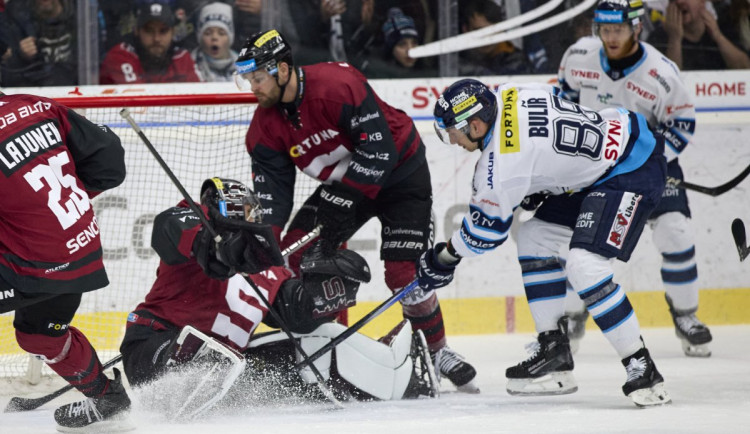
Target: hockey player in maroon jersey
[53, 161]
[151, 56]
[326, 121]
[198, 305]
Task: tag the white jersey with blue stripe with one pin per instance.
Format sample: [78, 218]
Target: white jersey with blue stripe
[542, 143]
[651, 87]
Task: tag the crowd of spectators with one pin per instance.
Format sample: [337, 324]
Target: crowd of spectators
[151, 41]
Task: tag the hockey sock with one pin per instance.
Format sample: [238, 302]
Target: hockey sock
[544, 283]
[679, 273]
[71, 356]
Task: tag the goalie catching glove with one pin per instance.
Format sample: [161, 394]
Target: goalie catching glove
[436, 267]
[336, 211]
[247, 248]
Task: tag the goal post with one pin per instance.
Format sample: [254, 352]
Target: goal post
[199, 136]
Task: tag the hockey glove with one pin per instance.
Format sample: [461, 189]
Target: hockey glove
[533, 201]
[431, 272]
[344, 263]
[336, 211]
[204, 250]
[247, 247]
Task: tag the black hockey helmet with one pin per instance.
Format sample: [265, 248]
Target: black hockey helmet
[459, 103]
[264, 50]
[232, 199]
[618, 11]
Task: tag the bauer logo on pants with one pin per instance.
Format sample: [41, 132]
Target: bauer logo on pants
[623, 219]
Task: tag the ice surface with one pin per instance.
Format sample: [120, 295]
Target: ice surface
[710, 395]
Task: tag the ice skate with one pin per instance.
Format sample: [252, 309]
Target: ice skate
[693, 334]
[424, 380]
[549, 370]
[451, 365]
[106, 413]
[576, 328]
[645, 385]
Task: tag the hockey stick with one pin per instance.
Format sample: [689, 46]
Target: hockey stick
[25, 404]
[711, 191]
[125, 113]
[740, 239]
[359, 324]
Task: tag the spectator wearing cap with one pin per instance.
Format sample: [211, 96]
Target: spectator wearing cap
[214, 56]
[400, 35]
[42, 35]
[149, 56]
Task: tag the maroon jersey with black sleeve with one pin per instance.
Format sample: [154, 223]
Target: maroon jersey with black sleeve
[340, 130]
[228, 310]
[52, 161]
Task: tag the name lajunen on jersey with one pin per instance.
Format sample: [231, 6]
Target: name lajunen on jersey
[24, 146]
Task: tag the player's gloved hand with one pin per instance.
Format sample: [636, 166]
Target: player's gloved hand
[336, 211]
[432, 273]
[234, 251]
[533, 201]
[204, 250]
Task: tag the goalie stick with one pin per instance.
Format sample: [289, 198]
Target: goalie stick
[740, 238]
[25, 404]
[125, 113]
[711, 191]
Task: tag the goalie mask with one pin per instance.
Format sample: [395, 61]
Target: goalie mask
[262, 51]
[461, 102]
[231, 199]
[618, 12]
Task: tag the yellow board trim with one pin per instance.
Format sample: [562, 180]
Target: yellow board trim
[467, 316]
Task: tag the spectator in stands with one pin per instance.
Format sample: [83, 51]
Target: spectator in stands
[692, 38]
[400, 34]
[502, 58]
[152, 57]
[43, 34]
[214, 56]
[247, 17]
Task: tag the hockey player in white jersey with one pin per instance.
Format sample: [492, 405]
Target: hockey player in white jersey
[614, 69]
[609, 168]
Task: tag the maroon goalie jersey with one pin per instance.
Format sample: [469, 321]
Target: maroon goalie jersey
[337, 130]
[53, 161]
[228, 310]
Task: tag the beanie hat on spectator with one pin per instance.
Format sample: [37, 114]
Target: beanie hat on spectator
[216, 15]
[397, 27]
[155, 12]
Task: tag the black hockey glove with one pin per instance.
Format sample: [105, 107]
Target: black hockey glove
[345, 263]
[336, 211]
[533, 201]
[204, 250]
[247, 247]
[433, 274]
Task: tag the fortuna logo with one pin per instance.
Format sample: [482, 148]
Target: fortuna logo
[625, 214]
[313, 140]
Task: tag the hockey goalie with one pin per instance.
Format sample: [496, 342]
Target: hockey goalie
[198, 320]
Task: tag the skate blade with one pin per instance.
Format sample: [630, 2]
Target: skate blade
[554, 383]
[116, 424]
[650, 397]
[469, 387]
[695, 350]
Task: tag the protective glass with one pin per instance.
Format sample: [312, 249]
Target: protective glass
[246, 81]
[443, 132]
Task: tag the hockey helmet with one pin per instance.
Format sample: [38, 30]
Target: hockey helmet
[263, 51]
[232, 199]
[618, 11]
[459, 103]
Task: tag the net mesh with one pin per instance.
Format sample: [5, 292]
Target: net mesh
[196, 142]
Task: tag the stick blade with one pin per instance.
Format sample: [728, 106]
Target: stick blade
[17, 404]
[740, 238]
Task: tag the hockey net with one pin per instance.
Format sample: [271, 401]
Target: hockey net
[198, 136]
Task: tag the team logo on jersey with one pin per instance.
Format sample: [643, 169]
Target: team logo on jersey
[510, 140]
[641, 92]
[654, 73]
[624, 219]
[313, 140]
[587, 74]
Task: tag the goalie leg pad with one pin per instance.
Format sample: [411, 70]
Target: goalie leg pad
[212, 366]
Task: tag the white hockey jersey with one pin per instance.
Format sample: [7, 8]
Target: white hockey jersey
[651, 87]
[541, 142]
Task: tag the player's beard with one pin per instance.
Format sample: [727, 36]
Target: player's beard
[269, 99]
